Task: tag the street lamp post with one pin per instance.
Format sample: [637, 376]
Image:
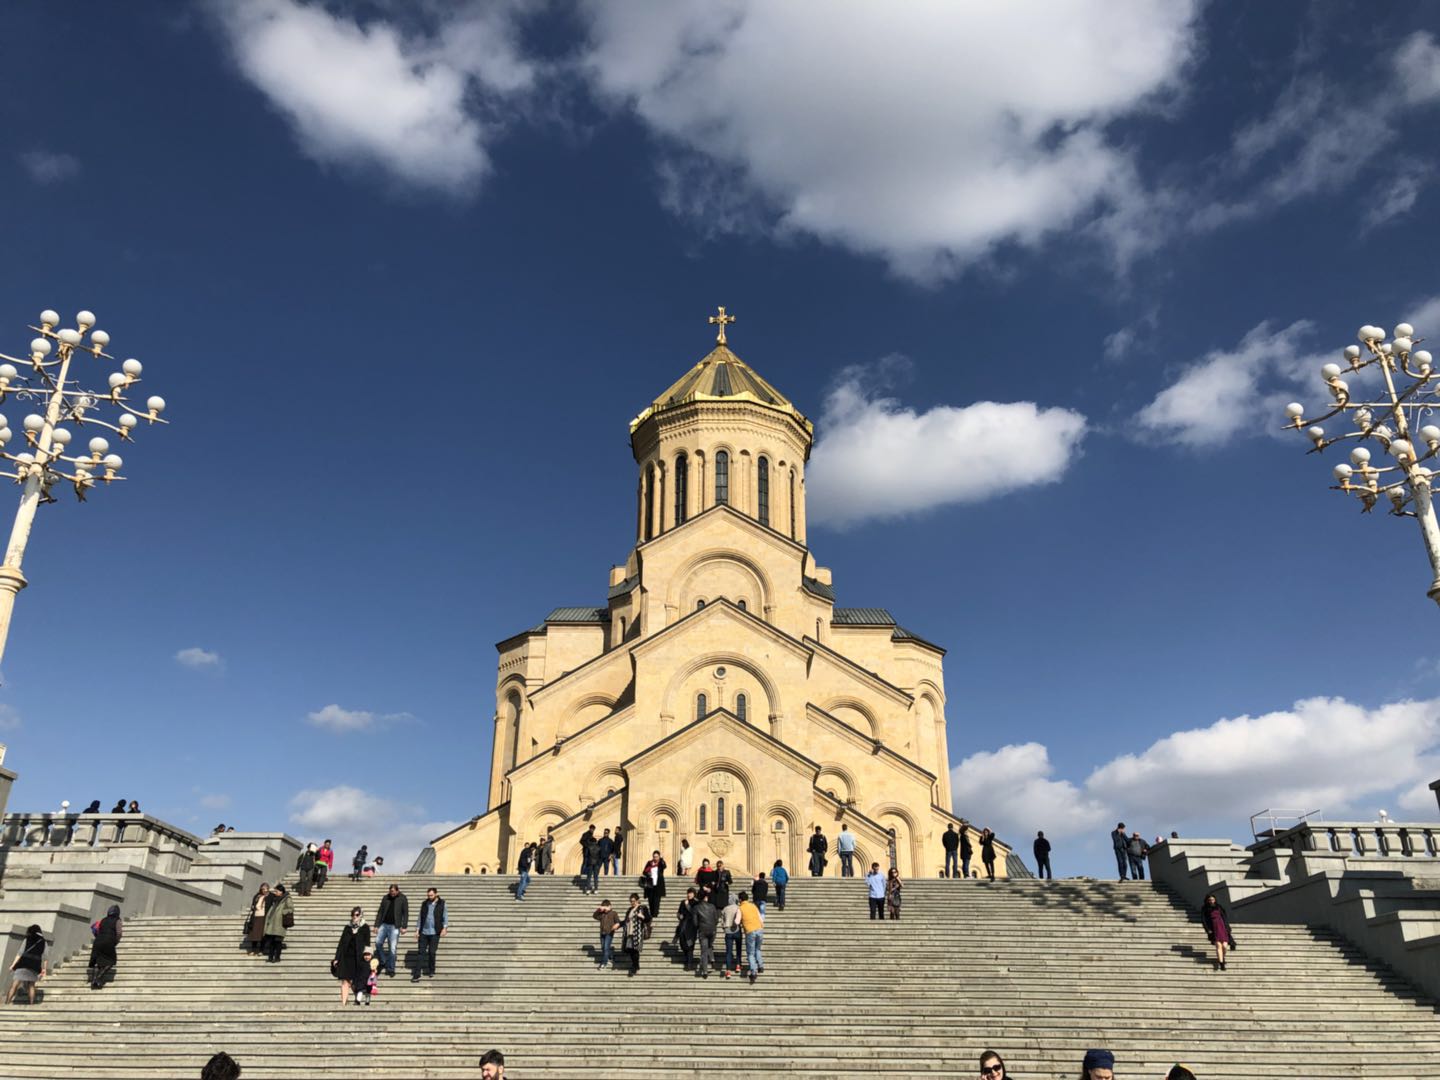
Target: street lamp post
[1408, 391]
[50, 384]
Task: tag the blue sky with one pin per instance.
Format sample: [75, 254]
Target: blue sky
[1044, 274]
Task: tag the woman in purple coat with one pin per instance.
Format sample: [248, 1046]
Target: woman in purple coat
[1217, 928]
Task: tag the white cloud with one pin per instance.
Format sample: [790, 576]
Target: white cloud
[337, 719]
[1126, 340]
[199, 659]
[1321, 754]
[48, 167]
[1011, 790]
[372, 95]
[351, 816]
[1308, 142]
[926, 133]
[1228, 392]
[9, 718]
[1395, 200]
[1324, 754]
[877, 459]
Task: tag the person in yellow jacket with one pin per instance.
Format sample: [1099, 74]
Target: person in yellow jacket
[753, 925]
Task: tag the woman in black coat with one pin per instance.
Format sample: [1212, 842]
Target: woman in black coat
[107, 938]
[349, 965]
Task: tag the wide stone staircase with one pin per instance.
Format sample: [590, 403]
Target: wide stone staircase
[1039, 971]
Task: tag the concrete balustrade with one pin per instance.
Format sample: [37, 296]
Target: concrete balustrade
[1376, 884]
[62, 871]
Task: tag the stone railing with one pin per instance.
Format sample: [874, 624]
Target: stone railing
[1359, 839]
[91, 830]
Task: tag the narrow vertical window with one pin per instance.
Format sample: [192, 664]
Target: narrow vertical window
[720, 813]
[739, 817]
[650, 503]
[700, 709]
[741, 605]
[792, 504]
[762, 508]
[682, 486]
[722, 478]
[703, 808]
[741, 706]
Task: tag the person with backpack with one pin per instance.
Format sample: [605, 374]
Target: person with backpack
[779, 877]
[29, 967]
[635, 928]
[357, 864]
[734, 936]
[108, 932]
[279, 918]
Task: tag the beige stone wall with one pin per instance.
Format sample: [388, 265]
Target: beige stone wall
[840, 722]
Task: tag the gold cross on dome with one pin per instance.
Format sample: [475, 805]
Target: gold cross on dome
[722, 320]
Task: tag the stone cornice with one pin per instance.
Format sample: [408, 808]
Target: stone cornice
[865, 742]
[765, 532]
[584, 735]
[885, 687]
[761, 739]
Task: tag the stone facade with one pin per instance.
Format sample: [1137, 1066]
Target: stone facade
[719, 695]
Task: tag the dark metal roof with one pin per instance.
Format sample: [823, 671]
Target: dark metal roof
[578, 615]
[1015, 867]
[901, 634]
[424, 862]
[862, 616]
[624, 587]
[819, 588]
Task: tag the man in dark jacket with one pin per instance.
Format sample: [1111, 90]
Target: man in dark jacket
[1042, 857]
[685, 927]
[429, 929]
[951, 843]
[1136, 848]
[524, 865]
[723, 880]
[606, 850]
[619, 852]
[589, 861]
[1121, 844]
[544, 852]
[392, 920]
[760, 891]
[817, 848]
[706, 918]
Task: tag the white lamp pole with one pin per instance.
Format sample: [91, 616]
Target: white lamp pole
[41, 467]
[1410, 392]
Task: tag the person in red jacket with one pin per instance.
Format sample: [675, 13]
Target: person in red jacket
[325, 859]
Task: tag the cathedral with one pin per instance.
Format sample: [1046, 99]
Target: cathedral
[719, 695]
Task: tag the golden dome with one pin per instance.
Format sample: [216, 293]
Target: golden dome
[722, 376]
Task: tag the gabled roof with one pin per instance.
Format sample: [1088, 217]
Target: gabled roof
[722, 376]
